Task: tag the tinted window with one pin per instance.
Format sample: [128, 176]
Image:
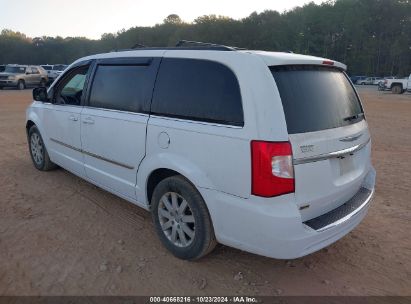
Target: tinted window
[316, 98]
[197, 90]
[121, 87]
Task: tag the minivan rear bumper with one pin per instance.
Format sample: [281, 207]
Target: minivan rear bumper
[273, 227]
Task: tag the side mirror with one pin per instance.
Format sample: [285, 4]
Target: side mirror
[40, 94]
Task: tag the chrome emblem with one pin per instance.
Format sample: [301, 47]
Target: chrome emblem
[307, 148]
[351, 138]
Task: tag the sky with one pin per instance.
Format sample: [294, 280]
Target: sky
[92, 18]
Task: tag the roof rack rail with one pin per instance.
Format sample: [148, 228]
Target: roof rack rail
[138, 46]
[199, 44]
[183, 45]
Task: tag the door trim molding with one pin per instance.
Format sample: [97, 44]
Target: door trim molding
[92, 154]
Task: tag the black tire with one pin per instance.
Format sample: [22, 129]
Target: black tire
[396, 89]
[21, 85]
[1, 88]
[203, 241]
[42, 161]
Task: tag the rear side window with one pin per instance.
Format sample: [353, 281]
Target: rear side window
[121, 87]
[316, 98]
[198, 90]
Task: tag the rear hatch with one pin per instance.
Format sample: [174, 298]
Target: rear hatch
[328, 134]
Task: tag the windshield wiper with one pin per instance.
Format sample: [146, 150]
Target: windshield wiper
[354, 117]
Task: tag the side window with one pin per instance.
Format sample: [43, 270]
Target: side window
[70, 90]
[199, 90]
[121, 87]
[34, 70]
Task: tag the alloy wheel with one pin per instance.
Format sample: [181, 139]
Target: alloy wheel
[37, 150]
[176, 219]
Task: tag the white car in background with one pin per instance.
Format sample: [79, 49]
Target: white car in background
[377, 80]
[368, 80]
[220, 144]
[54, 71]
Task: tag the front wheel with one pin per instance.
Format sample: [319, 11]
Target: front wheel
[38, 151]
[21, 85]
[396, 89]
[181, 219]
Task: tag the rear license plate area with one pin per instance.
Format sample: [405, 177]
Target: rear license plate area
[346, 164]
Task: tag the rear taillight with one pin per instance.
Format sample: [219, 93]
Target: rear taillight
[328, 62]
[272, 168]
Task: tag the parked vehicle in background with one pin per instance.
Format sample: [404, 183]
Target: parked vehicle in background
[377, 80]
[368, 81]
[49, 69]
[2, 68]
[54, 71]
[398, 86]
[58, 69]
[22, 76]
[221, 145]
[354, 79]
[381, 84]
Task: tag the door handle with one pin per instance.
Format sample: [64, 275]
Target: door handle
[73, 118]
[88, 121]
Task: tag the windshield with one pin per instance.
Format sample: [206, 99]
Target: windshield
[47, 67]
[316, 98]
[15, 70]
[59, 67]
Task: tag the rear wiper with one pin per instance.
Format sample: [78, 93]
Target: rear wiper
[354, 117]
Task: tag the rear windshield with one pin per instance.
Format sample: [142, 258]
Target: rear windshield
[316, 98]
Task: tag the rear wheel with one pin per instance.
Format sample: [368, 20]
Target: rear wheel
[21, 85]
[181, 219]
[38, 151]
[396, 89]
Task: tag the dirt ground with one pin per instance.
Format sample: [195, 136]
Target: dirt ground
[60, 235]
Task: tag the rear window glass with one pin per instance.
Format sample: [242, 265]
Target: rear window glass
[316, 98]
[200, 90]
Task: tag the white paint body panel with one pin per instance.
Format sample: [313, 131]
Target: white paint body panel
[62, 124]
[216, 158]
[118, 137]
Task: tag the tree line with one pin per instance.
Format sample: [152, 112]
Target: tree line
[373, 37]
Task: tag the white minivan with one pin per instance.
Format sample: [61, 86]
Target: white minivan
[262, 151]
